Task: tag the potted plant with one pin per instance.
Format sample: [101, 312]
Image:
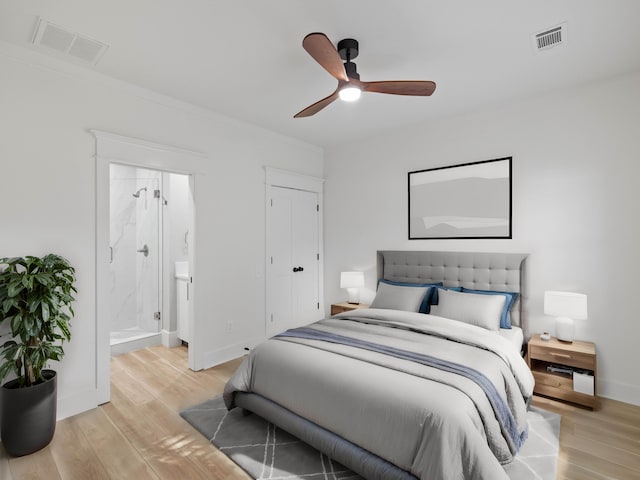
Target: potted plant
[35, 300]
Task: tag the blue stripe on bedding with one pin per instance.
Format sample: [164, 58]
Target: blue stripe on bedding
[500, 408]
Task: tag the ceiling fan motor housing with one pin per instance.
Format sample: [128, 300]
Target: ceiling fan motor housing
[348, 50]
[350, 68]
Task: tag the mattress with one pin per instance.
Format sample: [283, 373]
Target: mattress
[514, 335]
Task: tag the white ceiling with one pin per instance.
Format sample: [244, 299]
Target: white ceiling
[244, 58]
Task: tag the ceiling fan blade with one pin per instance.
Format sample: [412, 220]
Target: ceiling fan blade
[322, 50]
[316, 107]
[401, 87]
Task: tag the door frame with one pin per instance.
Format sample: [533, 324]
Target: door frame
[275, 177]
[113, 148]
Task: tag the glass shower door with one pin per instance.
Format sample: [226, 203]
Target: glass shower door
[135, 252]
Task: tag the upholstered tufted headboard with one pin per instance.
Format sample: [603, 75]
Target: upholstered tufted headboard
[477, 270]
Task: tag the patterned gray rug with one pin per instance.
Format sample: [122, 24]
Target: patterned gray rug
[267, 452]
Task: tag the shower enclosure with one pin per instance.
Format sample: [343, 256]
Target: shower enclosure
[135, 256]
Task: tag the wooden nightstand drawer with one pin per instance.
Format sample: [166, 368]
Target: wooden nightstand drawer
[566, 394]
[564, 357]
[555, 381]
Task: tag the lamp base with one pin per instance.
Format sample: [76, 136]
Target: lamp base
[352, 296]
[565, 329]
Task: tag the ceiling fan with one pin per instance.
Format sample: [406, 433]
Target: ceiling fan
[349, 84]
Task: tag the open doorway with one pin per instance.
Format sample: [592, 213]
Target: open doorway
[166, 161]
[149, 258]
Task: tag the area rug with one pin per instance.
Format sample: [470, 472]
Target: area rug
[267, 452]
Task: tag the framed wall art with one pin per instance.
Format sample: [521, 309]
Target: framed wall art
[470, 200]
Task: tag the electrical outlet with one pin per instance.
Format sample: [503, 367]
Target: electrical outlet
[229, 326]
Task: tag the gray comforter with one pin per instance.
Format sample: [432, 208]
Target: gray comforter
[438, 398]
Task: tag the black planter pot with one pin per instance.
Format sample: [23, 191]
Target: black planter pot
[28, 415]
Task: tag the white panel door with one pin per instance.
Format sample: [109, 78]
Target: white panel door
[293, 277]
[305, 256]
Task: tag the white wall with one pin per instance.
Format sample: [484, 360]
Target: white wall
[48, 178]
[576, 168]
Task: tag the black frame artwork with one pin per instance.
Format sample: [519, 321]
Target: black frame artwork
[465, 201]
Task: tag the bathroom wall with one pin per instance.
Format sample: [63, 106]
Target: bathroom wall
[177, 237]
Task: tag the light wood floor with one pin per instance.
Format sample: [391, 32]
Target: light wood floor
[139, 434]
[597, 445]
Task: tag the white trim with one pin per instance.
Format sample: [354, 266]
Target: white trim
[167, 279]
[170, 339]
[283, 178]
[196, 344]
[136, 344]
[142, 153]
[230, 352]
[103, 344]
[321, 312]
[112, 148]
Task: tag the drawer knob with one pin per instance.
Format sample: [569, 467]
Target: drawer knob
[563, 355]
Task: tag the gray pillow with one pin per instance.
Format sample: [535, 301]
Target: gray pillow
[477, 309]
[397, 297]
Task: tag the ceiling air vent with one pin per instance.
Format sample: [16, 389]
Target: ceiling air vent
[550, 37]
[69, 43]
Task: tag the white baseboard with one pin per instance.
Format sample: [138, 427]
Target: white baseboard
[135, 344]
[170, 339]
[623, 392]
[231, 352]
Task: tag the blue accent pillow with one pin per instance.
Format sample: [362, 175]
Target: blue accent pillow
[424, 306]
[434, 295]
[511, 297]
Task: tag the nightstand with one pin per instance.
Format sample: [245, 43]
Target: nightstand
[580, 356]
[346, 307]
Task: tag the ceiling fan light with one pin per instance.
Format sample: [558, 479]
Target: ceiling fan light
[350, 94]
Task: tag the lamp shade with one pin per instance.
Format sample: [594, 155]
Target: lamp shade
[351, 280]
[566, 304]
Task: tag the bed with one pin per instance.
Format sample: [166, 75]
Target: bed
[393, 392]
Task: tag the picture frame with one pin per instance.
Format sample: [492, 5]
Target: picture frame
[465, 201]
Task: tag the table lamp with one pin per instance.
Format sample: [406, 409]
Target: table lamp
[566, 307]
[352, 281]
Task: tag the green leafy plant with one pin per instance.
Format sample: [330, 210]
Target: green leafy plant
[36, 294]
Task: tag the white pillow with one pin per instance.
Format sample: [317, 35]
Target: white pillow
[476, 309]
[397, 297]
